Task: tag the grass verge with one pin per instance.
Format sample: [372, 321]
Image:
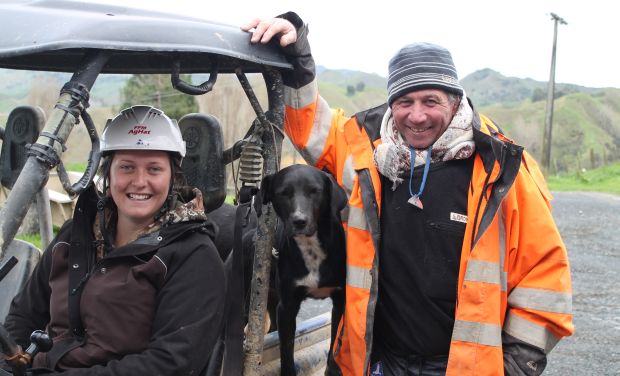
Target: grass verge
[603, 179]
[34, 239]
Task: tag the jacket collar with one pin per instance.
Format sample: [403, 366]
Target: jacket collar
[501, 160]
[186, 216]
[487, 145]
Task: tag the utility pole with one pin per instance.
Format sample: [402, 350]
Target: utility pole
[546, 147]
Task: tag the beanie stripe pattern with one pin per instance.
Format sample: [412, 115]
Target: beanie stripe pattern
[422, 66]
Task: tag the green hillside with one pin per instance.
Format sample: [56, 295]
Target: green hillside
[17, 87]
[586, 128]
[351, 90]
[486, 87]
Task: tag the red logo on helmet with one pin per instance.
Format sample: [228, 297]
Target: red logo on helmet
[139, 129]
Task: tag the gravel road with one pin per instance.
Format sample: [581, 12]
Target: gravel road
[590, 226]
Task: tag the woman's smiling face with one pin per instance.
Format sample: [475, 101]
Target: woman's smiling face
[139, 184]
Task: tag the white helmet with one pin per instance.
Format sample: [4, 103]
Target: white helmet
[142, 128]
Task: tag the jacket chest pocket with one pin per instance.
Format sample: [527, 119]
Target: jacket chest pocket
[442, 253]
[118, 305]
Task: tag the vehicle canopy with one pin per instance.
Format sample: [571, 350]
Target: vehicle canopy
[55, 35]
[88, 39]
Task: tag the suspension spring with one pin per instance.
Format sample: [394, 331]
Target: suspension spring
[251, 164]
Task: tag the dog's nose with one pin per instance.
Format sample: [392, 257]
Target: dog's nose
[299, 220]
[299, 223]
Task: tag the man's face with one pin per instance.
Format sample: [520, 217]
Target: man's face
[422, 116]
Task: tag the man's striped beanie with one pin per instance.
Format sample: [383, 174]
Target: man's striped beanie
[421, 66]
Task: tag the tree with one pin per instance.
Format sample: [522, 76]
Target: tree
[44, 93]
[350, 90]
[156, 90]
[538, 95]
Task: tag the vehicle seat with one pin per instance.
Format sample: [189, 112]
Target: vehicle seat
[23, 126]
[202, 166]
[15, 275]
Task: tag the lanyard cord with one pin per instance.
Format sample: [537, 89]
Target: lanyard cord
[426, 166]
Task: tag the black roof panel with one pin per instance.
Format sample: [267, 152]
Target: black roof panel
[54, 35]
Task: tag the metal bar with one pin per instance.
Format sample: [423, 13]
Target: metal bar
[309, 361]
[30, 180]
[272, 142]
[45, 217]
[36, 172]
[7, 266]
[249, 92]
[307, 333]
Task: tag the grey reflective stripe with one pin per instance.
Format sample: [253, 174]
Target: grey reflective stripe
[357, 218]
[530, 332]
[541, 300]
[359, 277]
[348, 175]
[503, 276]
[482, 271]
[318, 134]
[372, 223]
[503, 280]
[476, 332]
[302, 97]
[344, 214]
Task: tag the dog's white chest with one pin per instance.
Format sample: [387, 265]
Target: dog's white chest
[313, 256]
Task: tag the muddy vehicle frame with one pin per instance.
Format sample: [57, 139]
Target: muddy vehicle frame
[88, 40]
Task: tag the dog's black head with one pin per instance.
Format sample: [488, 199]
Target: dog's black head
[302, 196]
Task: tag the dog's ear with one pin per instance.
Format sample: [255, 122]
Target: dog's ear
[263, 196]
[338, 197]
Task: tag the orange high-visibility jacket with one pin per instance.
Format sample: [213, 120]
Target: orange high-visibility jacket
[514, 275]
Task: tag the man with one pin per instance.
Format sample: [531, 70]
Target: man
[454, 263]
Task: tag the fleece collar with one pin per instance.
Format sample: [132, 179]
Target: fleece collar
[192, 210]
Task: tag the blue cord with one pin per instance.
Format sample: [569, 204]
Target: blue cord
[426, 166]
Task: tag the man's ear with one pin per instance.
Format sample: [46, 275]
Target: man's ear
[456, 104]
[263, 196]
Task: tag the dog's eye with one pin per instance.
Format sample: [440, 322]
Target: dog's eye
[285, 193]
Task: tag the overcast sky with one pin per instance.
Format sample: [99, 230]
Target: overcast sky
[513, 37]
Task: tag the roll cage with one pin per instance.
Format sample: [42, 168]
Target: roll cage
[88, 40]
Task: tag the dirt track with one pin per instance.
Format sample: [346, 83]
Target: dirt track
[590, 226]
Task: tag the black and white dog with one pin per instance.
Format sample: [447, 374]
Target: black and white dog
[311, 247]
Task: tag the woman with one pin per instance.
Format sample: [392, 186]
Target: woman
[133, 285]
